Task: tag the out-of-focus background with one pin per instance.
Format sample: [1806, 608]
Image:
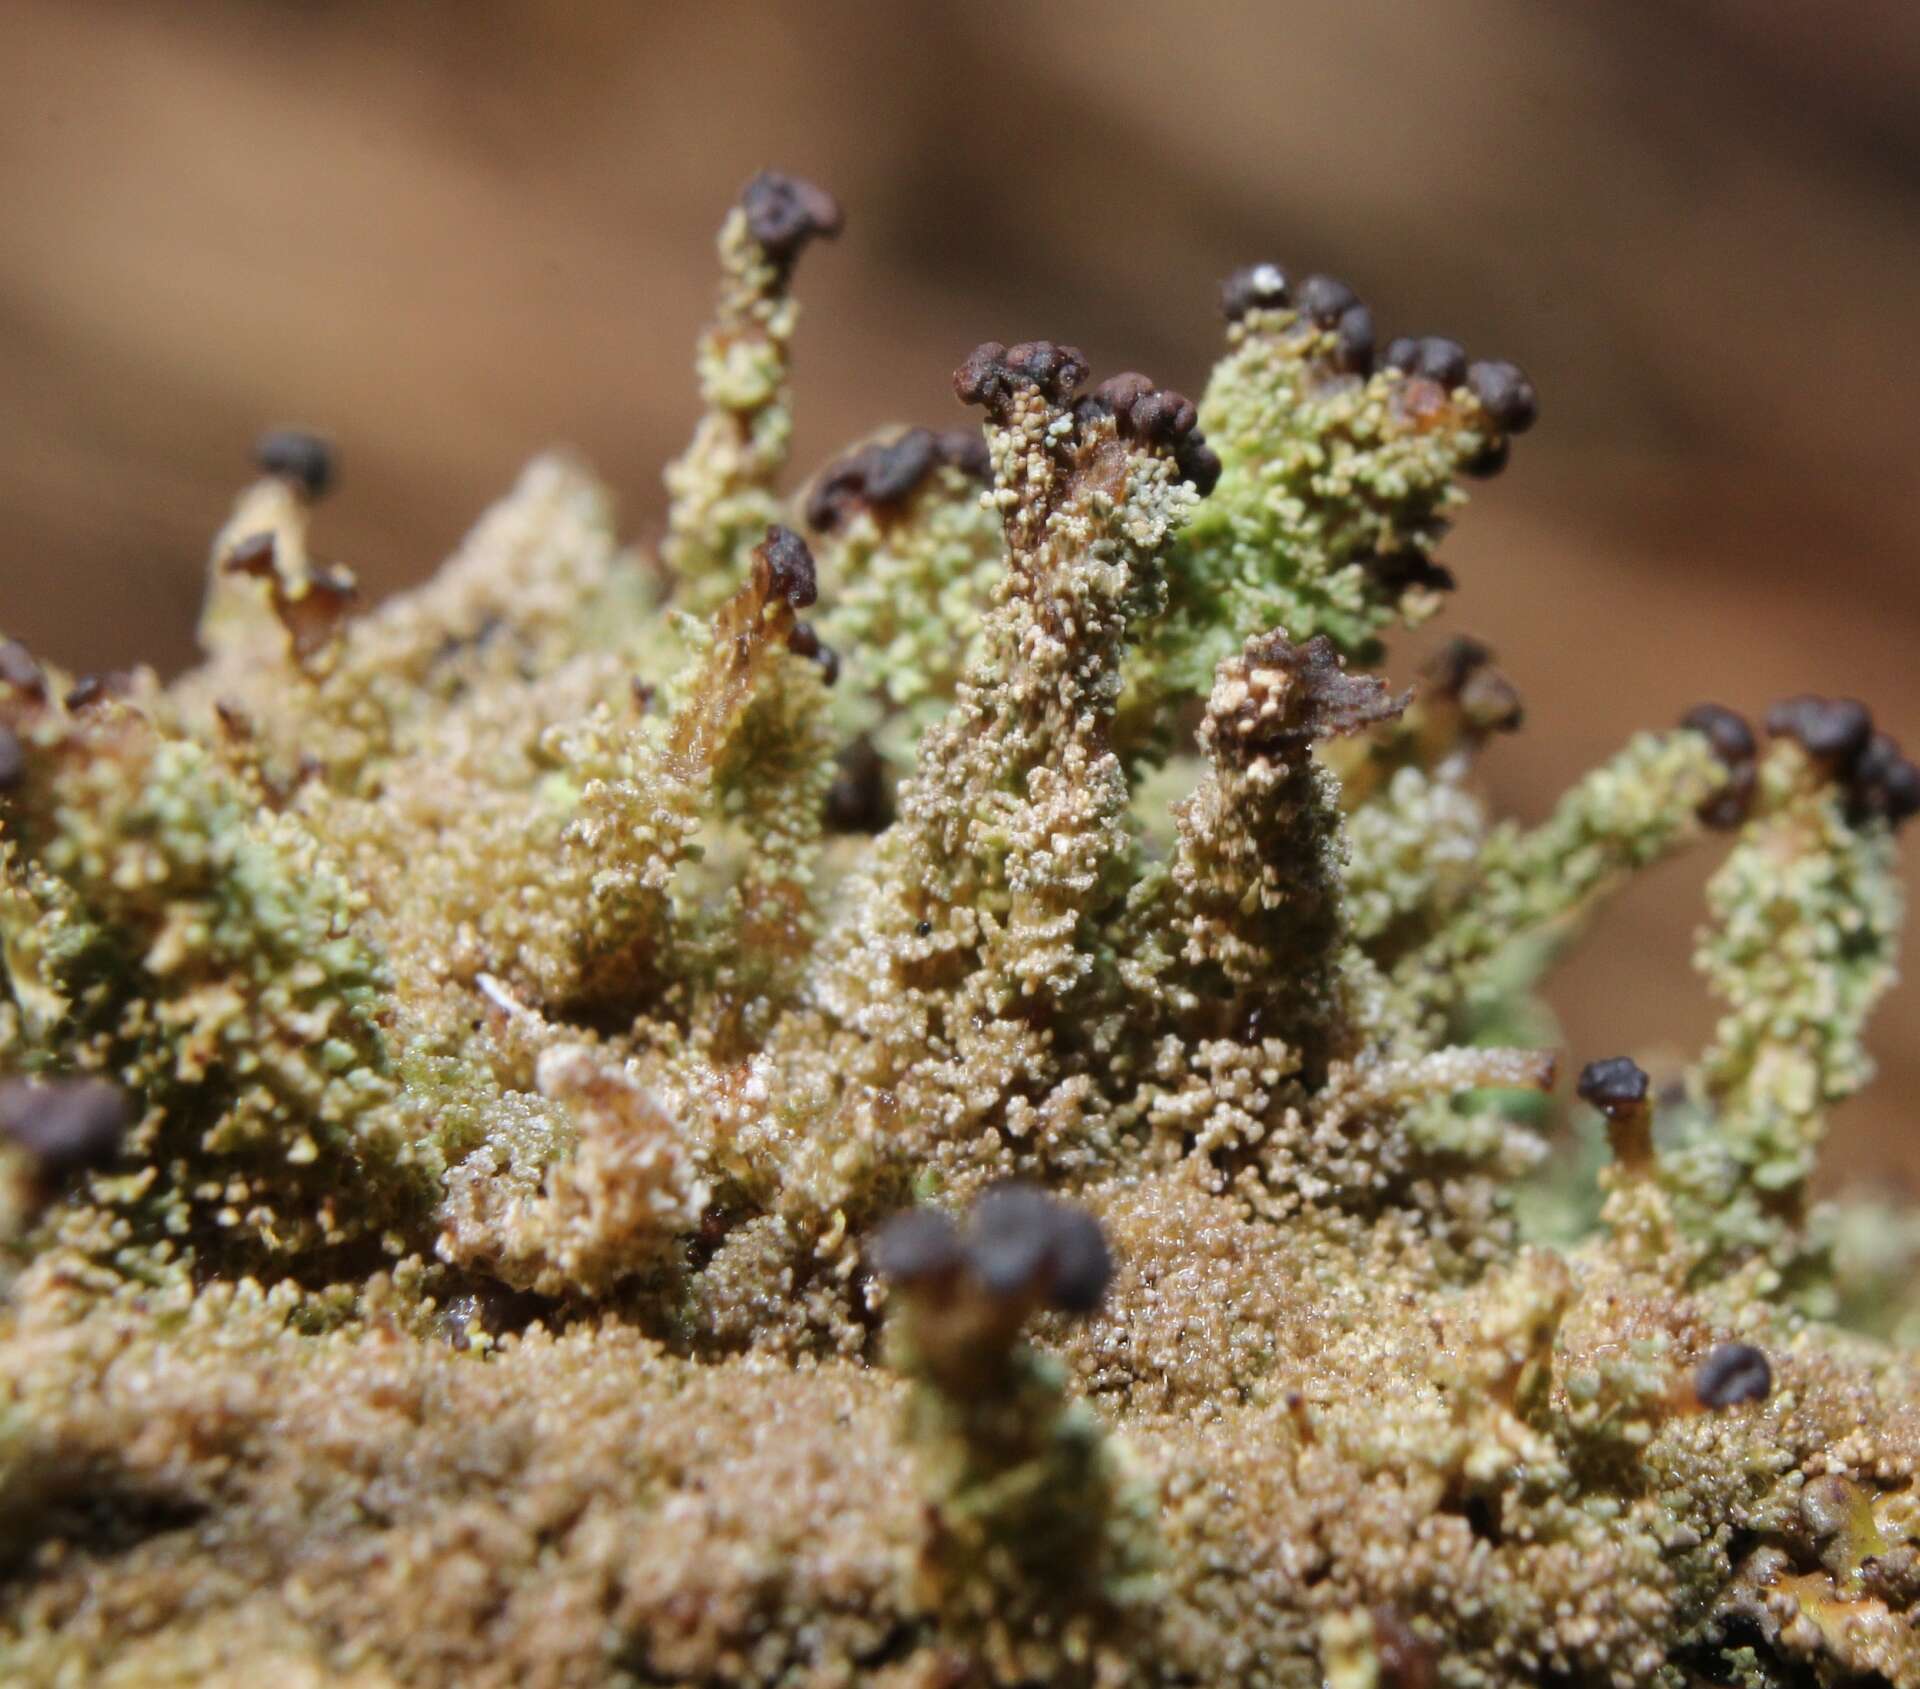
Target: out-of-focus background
[450, 233]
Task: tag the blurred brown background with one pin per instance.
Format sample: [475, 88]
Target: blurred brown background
[449, 234]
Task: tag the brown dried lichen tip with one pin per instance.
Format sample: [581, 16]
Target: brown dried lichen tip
[19, 670]
[920, 1247]
[1502, 388]
[790, 572]
[1732, 741]
[1159, 417]
[303, 460]
[1462, 673]
[1885, 784]
[1254, 287]
[66, 1125]
[884, 475]
[1431, 355]
[1833, 731]
[993, 373]
[1733, 1373]
[1618, 1088]
[1878, 780]
[1330, 304]
[1327, 304]
[1020, 1246]
[1505, 393]
[1615, 1085]
[1405, 567]
[1145, 412]
[1021, 1240]
[1324, 302]
[785, 214]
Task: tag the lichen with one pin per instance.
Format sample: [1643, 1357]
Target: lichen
[939, 1083]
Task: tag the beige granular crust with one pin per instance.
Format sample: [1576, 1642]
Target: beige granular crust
[1322, 1433]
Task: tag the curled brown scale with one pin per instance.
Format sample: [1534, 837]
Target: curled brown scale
[313, 618]
[786, 214]
[314, 611]
[1280, 697]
